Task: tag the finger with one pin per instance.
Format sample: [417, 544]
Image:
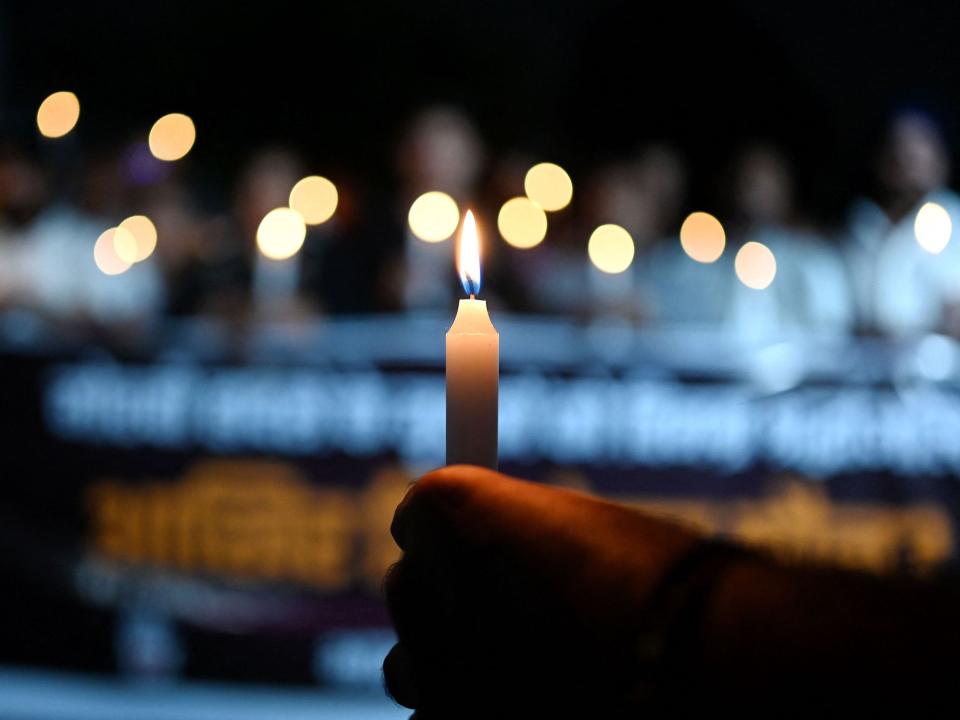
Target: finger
[404, 594]
[421, 605]
[399, 678]
[394, 527]
[408, 517]
[423, 509]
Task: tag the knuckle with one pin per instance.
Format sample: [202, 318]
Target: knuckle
[390, 579]
[443, 487]
[402, 592]
[427, 496]
[398, 677]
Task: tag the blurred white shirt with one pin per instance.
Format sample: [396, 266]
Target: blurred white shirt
[56, 268]
[900, 288]
[676, 290]
[810, 293]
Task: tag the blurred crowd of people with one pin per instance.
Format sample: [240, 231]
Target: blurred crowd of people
[867, 276]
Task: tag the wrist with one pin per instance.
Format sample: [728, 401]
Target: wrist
[676, 620]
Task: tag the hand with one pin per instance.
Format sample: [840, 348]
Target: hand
[517, 599]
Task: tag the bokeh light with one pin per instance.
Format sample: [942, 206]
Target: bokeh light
[58, 114]
[105, 253]
[315, 198]
[434, 216]
[281, 233]
[172, 136]
[522, 222]
[144, 234]
[549, 186]
[702, 237]
[755, 265]
[610, 249]
[125, 245]
[933, 227]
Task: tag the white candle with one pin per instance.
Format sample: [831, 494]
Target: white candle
[473, 366]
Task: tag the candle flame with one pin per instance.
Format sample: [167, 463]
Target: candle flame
[468, 255]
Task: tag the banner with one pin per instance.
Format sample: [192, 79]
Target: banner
[168, 517]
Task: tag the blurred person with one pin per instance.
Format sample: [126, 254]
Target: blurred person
[899, 288]
[23, 194]
[514, 599]
[338, 271]
[238, 281]
[810, 291]
[640, 195]
[58, 277]
[441, 150]
[669, 288]
[643, 196]
[614, 194]
[179, 253]
[549, 277]
[511, 275]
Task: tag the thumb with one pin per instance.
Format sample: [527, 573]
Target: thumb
[441, 503]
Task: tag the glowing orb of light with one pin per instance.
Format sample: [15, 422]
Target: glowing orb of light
[58, 114]
[281, 233]
[434, 216]
[144, 234]
[522, 222]
[610, 249]
[755, 265]
[315, 198]
[702, 237]
[549, 186]
[172, 136]
[932, 227]
[105, 253]
[125, 245]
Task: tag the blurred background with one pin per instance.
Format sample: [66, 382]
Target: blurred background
[718, 246]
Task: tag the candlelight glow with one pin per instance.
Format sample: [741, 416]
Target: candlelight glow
[315, 198]
[144, 234]
[610, 249]
[58, 114]
[125, 245]
[549, 186]
[434, 217]
[932, 227]
[105, 254]
[468, 255]
[522, 222]
[755, 265]
[172, 136]
[702, 237]
[281, 233]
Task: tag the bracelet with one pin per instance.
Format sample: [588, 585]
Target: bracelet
[672, 630]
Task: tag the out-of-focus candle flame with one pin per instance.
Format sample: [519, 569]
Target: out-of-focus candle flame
[468, 255]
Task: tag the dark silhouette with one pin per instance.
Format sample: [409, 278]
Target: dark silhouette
[520, 600]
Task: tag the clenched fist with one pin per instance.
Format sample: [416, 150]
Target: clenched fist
[520, 600]
[514, 598]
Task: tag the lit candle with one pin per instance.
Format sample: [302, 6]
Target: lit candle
[473, 365]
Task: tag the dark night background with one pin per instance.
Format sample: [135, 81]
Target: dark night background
[575, 81]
